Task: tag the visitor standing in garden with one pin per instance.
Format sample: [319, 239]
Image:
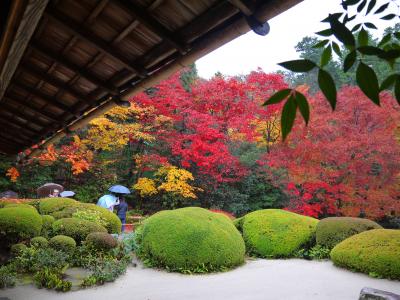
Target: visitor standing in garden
[108, 201]
[122, 208]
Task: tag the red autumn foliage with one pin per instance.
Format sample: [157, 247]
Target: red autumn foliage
[353, 152]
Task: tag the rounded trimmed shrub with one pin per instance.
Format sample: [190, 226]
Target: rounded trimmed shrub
[190, 239]
[20, 206]
[76, 228]
[17, 224]
[17, 249]
[48, 206]
[276, 233]
[39, 242]
[331, 231]
[47, 221]
[113, 223]
[101, 241]
[62, 243]
[375, 252]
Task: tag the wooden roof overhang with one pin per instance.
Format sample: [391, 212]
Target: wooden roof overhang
[64, 62]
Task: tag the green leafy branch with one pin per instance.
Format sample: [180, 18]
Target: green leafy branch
[355, 42]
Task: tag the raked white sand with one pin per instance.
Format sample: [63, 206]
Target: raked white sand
[257, 279]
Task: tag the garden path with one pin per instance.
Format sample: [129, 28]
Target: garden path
[292, 279]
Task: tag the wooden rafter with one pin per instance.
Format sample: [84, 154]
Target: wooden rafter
[20, 114]
[151, 23]
[48, 99]
[5, 121]
[59, 59]
[100, 45]
[27, 104]
[59, 84]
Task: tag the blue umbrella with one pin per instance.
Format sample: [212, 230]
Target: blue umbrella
[67, 194]
[119, 189]
[107, 201]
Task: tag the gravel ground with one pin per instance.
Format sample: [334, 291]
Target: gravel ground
[257, 279]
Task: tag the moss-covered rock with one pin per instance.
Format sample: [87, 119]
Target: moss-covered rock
[331, 231]
[39, 242]
[49, 206]
[112, 222]
[17, 224]
[76, 228]
[190, 240]
[375, 252]
[276, 233]
[47, 221]
[62, 243]
[101, 241]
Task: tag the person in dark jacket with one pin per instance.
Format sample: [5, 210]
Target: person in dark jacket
[122, 208]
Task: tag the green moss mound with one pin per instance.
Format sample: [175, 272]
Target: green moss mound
[190, 239]
[17, 224]
[39, 242]
[113, 223]
[49, 206]
[62, 243]
[375, 252]
[17, 249]
[61, 208]
[101, 241]
[8, 205]
[76, 228]
[47, 221]
[276, 233]
[331, 231]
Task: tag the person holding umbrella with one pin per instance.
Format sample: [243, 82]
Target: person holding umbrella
[110, 200]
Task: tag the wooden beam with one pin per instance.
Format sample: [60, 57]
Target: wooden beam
[25, 28]
[59, 59]
[244, 7]
[153, 24]
[34, 109]
[48, 99]
[59, 84]
[19, 123]
[76, 29]
[14, 135]
[5, 107]
[8, 122]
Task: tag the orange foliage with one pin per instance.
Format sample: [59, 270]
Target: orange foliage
[13, 174]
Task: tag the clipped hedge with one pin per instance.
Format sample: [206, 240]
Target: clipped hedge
[331, 231]
[17, 224]
[48, 206]
[190, 239]
[276, 233]
[113, 223]
[101, 241]
[76, 228]
[39, 242]
[62, 243]
[375, 252]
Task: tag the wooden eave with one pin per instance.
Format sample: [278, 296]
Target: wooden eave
[64, 62]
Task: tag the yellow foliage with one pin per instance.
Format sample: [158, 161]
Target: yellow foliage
[175, 181]
[236, 135]
[171, 180]
[267, 131]
[145, 186]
